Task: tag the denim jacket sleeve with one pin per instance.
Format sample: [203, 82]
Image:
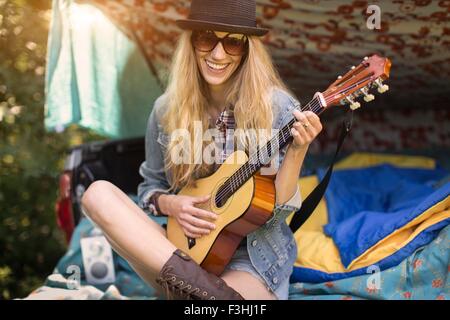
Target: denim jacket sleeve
[152, 169]
[284, 104]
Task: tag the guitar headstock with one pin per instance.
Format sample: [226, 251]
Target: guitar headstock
[370, 73]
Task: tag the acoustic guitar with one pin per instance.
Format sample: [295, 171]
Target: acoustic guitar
[244, 199]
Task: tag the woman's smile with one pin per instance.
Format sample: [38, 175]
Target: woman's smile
[213, 71]
[216, 67]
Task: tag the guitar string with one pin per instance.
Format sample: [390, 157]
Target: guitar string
[243, 173]
[276, 139]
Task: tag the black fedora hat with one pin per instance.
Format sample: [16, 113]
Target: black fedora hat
[237, 16]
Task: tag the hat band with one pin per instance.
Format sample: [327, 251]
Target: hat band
[236, 21]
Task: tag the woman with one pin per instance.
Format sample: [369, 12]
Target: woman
[223, 77]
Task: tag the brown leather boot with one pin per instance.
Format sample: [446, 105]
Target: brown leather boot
[182, 278]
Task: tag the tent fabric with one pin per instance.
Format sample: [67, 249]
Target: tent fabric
[312, 42]
[96, 75]
[421, 276]
[377, 214]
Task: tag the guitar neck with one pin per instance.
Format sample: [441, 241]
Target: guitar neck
[264, 154]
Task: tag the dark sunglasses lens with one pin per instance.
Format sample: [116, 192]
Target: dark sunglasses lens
[204, 41]
[233, 45]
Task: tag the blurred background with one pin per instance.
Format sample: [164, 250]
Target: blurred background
[31, 158]
[311, 44]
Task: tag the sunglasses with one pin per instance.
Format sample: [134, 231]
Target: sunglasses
[234, 44]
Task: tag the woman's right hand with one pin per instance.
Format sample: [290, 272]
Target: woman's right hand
[194, 221]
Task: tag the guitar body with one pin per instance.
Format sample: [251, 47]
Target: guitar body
[249, 208]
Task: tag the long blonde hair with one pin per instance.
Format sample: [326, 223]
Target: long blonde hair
[187, 100]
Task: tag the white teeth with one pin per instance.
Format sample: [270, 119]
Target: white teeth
[216, 66]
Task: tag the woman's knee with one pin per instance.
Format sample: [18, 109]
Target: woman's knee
[94, 197]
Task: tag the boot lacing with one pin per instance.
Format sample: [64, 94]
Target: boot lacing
[174, 287]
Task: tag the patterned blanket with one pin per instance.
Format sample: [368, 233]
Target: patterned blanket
[423, 275]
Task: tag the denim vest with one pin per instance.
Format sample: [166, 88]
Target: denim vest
[272, 247]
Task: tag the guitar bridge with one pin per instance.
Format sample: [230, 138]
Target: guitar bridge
[191, 242]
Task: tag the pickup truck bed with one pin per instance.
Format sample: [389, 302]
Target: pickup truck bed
[116, 161]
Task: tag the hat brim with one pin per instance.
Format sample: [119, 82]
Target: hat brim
[201, 25]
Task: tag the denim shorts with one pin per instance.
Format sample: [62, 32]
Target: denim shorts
[241, 262]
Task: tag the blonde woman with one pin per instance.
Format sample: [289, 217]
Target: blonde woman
[223, 78]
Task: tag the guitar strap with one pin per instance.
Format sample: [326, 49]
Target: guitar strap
[311, 201]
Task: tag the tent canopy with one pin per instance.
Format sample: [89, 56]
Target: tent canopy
[108, 61]
[312, 42]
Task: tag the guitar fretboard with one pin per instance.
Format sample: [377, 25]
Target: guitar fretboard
[262, 155]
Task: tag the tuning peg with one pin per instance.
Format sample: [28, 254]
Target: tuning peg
[382, 88]
[353, 67]
[369, 97]
[353, 104]
[339, 77]
[366, 58]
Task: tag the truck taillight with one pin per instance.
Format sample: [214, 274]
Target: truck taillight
[64, 214]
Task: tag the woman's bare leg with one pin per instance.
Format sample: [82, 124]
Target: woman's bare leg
[132, 206]
[133, 234]
[145, 274]
[247, 285]
[148, 277]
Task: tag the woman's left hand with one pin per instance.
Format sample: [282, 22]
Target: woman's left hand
[305, 129]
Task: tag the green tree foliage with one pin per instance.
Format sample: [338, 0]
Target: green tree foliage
[31, 159]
